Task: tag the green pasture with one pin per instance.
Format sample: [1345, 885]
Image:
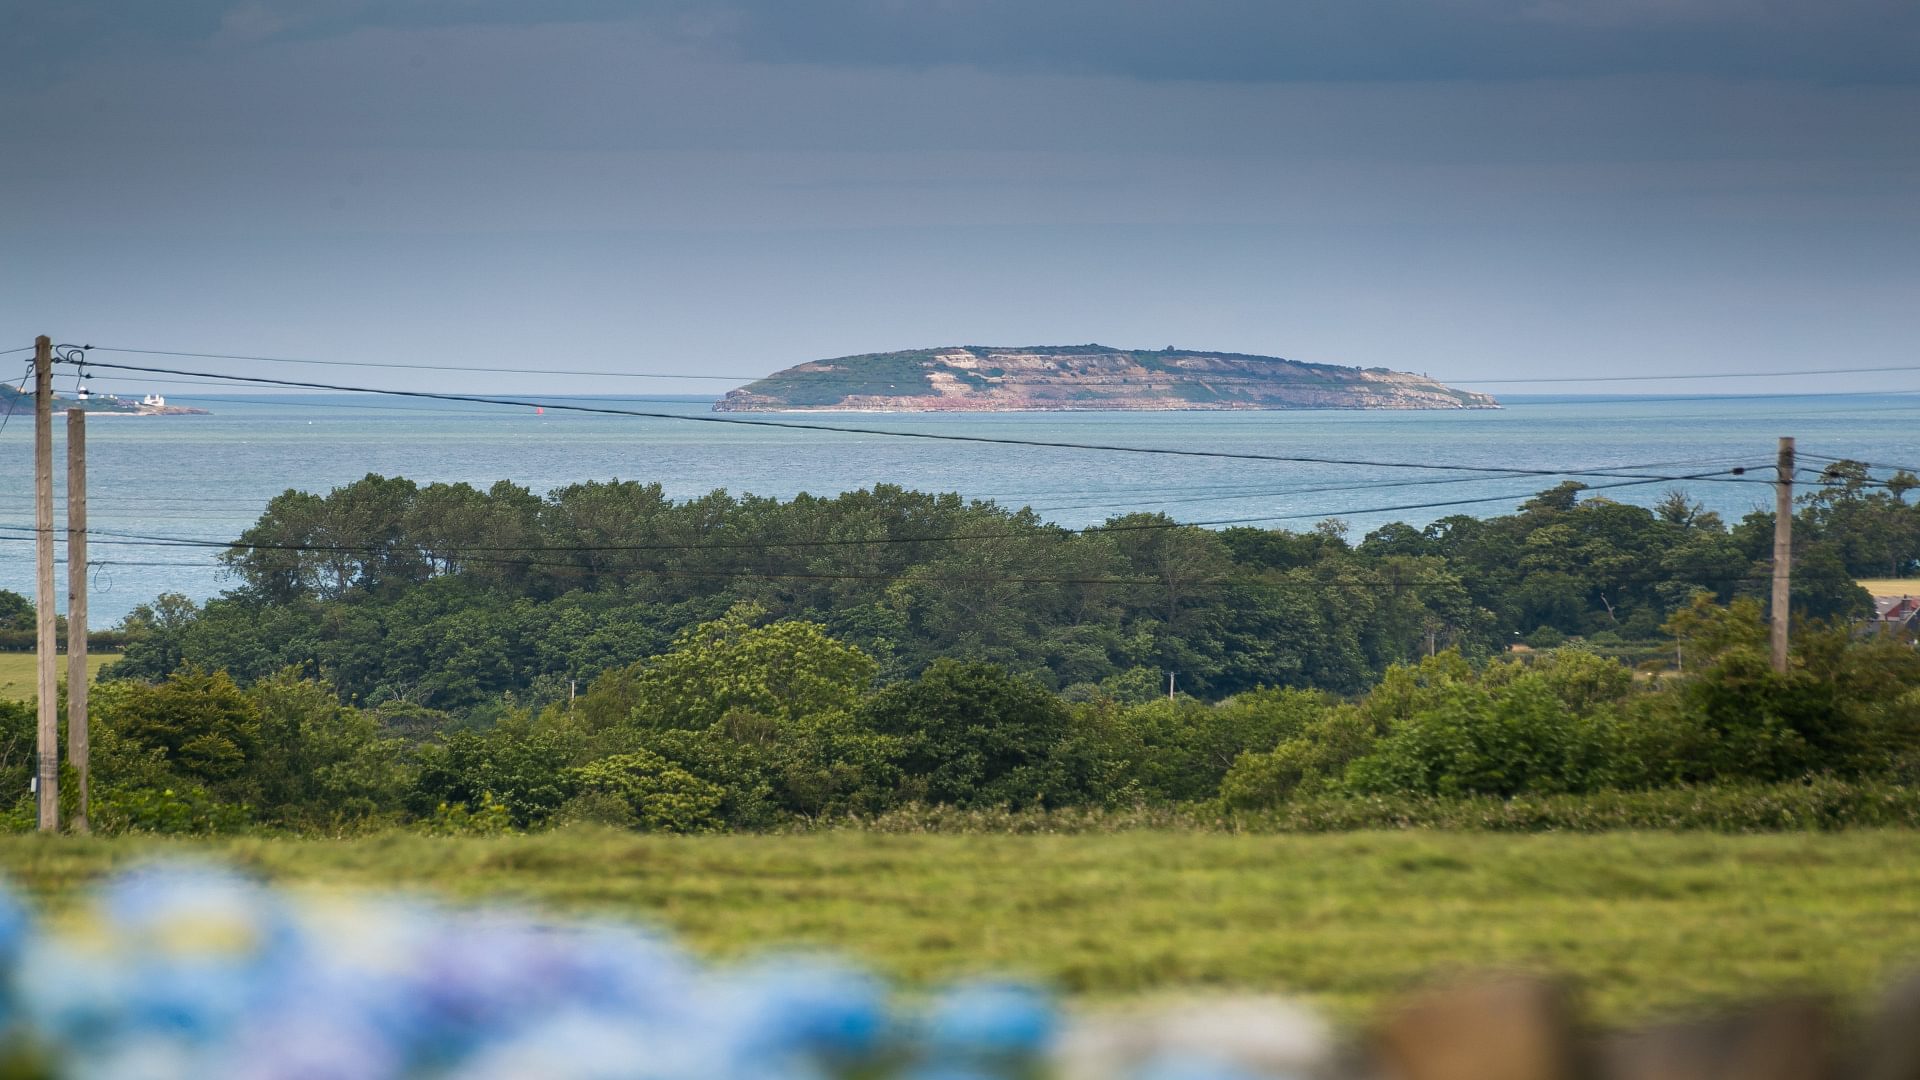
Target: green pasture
[18, 680]
[1645, 921]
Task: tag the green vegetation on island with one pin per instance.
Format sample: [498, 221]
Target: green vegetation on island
[1067, 377]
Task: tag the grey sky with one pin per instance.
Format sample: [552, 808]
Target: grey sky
[1463, 187]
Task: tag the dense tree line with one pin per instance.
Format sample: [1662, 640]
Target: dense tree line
[746, 723]
[450, 598]
[398, 653]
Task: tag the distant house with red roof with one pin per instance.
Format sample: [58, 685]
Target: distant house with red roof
[1897, 614]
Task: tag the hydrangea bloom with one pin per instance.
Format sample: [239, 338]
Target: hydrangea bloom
[178, 971]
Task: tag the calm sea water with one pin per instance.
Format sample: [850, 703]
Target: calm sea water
[209, 476]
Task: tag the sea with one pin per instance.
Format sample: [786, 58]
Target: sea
[206, 478]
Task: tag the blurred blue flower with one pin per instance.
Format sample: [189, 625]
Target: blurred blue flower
[991, 1019]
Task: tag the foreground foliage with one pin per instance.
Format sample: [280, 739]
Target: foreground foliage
[745, 724]
[182, 970]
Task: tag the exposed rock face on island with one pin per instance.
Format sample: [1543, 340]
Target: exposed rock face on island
[977, 378]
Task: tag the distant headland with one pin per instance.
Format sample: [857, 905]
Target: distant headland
[15, 400]
[976, 378]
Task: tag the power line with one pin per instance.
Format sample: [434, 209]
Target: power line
[426, 367]
[1229, 494]
[127, 539]
[1240, 495]
[1691, 375]
[1222, 378]
[266, 403]
[1858, 461]
[19, 392]
[215, 381]
[848, 429]
[1117, 496]
[1377, 584]
[1790, 395]
[1262, 491]
[910, 575]
[1393, 582]
[261, 401]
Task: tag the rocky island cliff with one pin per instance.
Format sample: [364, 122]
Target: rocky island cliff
[977, 378]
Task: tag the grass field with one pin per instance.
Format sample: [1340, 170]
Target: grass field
[18, 681]
[1645, 921]
[1891, 586]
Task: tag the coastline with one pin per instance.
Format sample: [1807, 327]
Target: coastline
[104, 412]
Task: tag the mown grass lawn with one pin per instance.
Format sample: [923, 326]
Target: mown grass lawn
[1645, 921]
[19, 680]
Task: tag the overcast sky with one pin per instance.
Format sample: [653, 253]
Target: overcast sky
[1469, 188]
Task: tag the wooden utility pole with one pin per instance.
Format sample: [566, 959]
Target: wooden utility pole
[77, 737]
[46, 648]
[1782, 551]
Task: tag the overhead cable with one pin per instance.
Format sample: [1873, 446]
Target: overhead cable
[150, 540]
[846, 429]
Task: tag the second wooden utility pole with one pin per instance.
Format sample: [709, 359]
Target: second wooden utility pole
[1782, 552]
[77, 735]
[46, 649]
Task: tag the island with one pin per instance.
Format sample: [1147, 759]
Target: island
[977, 378]
[13, 399]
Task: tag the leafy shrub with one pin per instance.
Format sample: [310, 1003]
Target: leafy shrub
[1546, 637]
[1480, 739]
[317, 760]
[186, 809]
[527, 772]
[489, 818]
[603, 808]
[1812, 804]
[785, 671]
[1181, 749]
[972, 734]
[1308, 763]
[200, 722]
[662, 796]
[768, 767]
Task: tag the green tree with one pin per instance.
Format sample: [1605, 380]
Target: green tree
[317, 761]
[973, 734]
[784, 671]
[16, 611]
[1180, 750]
[529, 772]
[202, 725]
[1311, 762]
[156, 638]
[661, 796]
